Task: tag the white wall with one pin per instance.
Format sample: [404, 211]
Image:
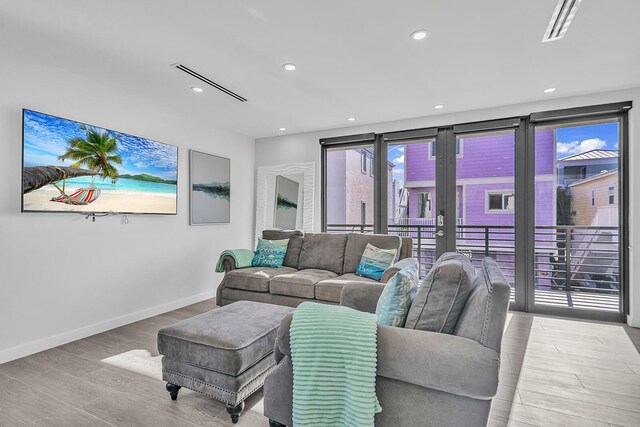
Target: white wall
[63, 277]
[305, 147]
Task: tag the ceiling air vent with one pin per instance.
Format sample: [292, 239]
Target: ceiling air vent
[210, 82]
[561, 19]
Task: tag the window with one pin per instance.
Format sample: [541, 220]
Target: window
[363, 212]
[612, 196]
[347, 186]
[432, 149]
[371, 167]
[501, 201]
[424, 205]
[593, 197]
[363, 161]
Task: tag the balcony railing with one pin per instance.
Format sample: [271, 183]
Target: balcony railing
[574, 266]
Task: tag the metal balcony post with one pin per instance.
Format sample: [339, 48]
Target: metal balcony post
[486, 241]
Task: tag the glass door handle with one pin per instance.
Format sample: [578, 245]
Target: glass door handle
[440, 219]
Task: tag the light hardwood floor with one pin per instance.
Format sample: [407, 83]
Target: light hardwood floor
[554, 372]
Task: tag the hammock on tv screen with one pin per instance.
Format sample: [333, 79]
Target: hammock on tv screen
[82, 196]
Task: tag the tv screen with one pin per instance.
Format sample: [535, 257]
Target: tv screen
[75, 167]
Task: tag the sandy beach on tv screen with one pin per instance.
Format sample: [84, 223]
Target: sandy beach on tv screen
[108, 201]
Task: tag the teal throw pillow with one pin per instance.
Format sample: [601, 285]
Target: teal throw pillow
[270, 253]
[375, 261]
[397, 296]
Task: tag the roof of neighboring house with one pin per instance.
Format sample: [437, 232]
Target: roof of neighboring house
[592, 155]
[595, 177]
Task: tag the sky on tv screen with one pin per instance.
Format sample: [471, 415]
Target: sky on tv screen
[45, 138]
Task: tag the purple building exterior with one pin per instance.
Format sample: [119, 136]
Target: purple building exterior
[485, 179]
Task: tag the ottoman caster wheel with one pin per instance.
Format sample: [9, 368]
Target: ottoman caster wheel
[173, 390]
[274, 423]
[235, 411]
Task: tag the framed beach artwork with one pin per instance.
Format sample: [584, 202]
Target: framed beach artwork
[210, 189]
[68, 166]
[286, 203]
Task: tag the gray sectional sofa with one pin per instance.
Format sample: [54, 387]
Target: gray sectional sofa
[316, 267]
[424, 378]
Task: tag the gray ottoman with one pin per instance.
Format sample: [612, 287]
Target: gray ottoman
[225, 353]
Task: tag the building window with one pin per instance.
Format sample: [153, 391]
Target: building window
[593, 197]
[371, 167]
[424, 205]
[612, 197]
[432, 149]
[498, 201]
[363, 161]
[363, 212]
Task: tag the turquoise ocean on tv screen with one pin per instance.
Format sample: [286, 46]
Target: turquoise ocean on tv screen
[122, 184]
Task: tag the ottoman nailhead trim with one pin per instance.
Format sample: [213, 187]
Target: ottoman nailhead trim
[242, 392]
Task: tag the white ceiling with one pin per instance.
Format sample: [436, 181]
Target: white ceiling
[354, 57]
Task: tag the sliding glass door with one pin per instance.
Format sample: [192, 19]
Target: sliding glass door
[412, 206]
[544, 195]
[485, 198]
[577, 243]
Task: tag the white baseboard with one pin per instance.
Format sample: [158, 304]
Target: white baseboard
[633, 321]
[32, 347]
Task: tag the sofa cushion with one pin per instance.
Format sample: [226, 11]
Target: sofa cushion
[396, 298]
[216, 340]
[299, 284]
[484, 314]
[331, 289]
[323, 251]
[295, 244]
[442, 295]
[357, 242]
[254, 278]
[270, 253]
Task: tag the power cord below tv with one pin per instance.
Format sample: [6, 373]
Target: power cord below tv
[94, 215]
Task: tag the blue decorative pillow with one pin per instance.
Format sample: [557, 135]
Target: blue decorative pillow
[375, 261]
[397, 296]
[270, 253]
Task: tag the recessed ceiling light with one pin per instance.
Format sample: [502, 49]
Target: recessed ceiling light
[289, 67]
[282, 129]
[197, 89]
[438, 107]
[351, 119]
[420, 34]
[549, 90]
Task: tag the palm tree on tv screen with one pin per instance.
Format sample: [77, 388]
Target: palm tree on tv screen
[97, 151]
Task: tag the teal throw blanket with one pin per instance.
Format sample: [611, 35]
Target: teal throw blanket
[242, 258]
[334, 356]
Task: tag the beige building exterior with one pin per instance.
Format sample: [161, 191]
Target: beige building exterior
[350, 185]
[594, 200]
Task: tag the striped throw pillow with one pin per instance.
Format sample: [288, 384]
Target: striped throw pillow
[375, 261]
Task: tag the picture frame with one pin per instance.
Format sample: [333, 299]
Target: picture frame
[286, 203]
[209, 189]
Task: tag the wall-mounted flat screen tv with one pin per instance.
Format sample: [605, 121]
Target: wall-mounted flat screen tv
[75, 167]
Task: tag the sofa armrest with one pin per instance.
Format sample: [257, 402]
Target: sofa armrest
[283, 345]
[393, 269]
[361, 296]
[438, 361]
[228, 263]
[432, 360]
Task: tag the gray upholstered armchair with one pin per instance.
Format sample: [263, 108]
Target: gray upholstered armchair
[424, 378]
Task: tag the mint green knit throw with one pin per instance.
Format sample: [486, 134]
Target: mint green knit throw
[334, 355]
